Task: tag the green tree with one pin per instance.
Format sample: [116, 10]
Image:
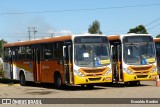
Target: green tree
[139, 30]
[158, 36]
[95, 28]
[1, 46]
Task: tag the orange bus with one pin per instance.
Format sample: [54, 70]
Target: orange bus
[157, 45]
[64, 60]
[133, 58]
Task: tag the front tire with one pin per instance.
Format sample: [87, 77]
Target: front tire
[90, 86]
[22, 80]
[134, 83]
[58, 81]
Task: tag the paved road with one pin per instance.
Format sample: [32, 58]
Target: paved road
[146, 90]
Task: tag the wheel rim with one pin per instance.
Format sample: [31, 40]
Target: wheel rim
[59, 82]
[22, 80]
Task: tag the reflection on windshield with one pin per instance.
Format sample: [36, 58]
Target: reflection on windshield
[139, 53]
[92, 55]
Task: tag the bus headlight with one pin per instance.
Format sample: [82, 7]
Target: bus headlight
[108, 72]
[78, 73]
[127, 71]
[154, 70]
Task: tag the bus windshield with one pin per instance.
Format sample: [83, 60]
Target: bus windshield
[92, 54]
[139, 53]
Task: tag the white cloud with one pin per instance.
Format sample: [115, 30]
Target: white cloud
[61, 32]
[50, 31]
[65, 32]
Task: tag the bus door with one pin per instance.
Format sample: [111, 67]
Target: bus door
[36, 64]
[11, 65]
[68, 65]
[116, 63]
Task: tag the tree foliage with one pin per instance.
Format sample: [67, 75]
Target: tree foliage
[95, 28]
[158, 36]
[139, 30]
[1, 46]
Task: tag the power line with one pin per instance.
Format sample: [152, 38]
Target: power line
[31, 29]
[152, 22]
[13, 33]
[91, 9]
[154, 26]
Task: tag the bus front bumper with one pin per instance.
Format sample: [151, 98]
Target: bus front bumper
[92, 80]
[142, 77]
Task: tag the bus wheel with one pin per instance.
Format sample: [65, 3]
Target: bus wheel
[58, 81]
[22, 80]
[134, 83]
[126, 83]
[90, 86]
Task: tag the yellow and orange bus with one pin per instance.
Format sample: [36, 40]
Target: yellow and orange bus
[157, 45]
[70, 60]
[133, 58]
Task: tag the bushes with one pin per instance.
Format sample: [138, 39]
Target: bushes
[1, 70]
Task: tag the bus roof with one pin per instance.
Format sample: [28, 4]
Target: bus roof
[156, 39]
[45, 40]
[113, 37]
[118, 37]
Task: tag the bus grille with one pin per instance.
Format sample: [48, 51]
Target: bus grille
[94, 79]
[141, 70]
[142, 76]
[93, 74]
[94, 71]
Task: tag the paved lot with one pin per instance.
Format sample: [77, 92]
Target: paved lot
[146, 90]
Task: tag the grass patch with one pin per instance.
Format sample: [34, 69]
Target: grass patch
[5, 80]
[1, 71]
[1, 74]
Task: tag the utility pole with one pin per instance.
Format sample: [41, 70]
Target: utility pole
[52, 35]
[31, 29]
[34, 31]
[29, 33]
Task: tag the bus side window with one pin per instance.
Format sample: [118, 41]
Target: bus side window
[14, 55]
[58, 50]
[28, 52]
[48, 51]
[21, 53]
[6, 54]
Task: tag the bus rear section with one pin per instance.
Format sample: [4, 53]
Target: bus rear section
[133, 58]
[157, 45]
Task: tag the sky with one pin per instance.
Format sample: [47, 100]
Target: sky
[62, 17]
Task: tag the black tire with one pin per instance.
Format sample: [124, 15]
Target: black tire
[83, 86]
[126, 83]
[58, 81]
[90, 86]
[22, 79]
[134, 83]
